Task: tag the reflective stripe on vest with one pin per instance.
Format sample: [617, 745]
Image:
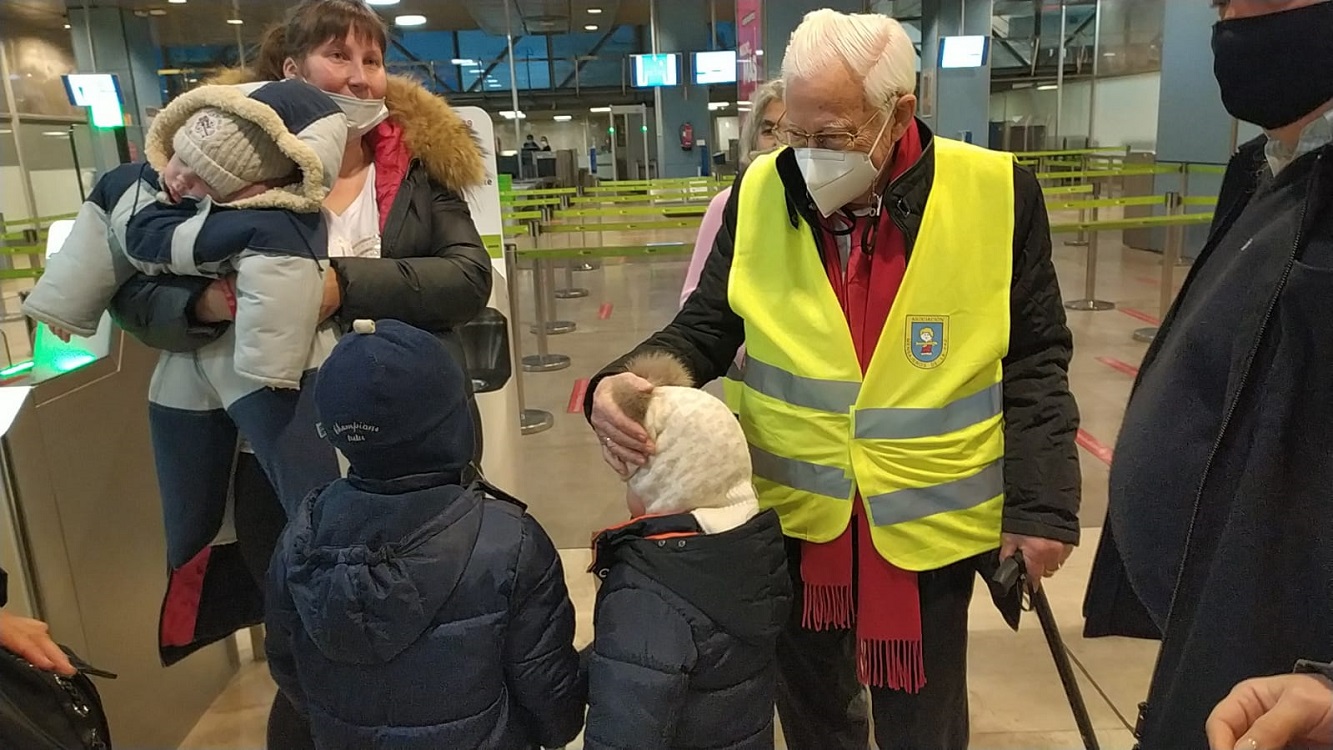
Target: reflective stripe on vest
[801, 475]
[895, 423]
[901, 506]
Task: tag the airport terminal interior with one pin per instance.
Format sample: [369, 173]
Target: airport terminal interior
[608, 126]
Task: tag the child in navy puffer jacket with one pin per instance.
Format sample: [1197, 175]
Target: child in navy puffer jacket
[407, 611]
[694, 589]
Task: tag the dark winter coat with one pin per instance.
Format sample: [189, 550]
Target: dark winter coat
[686, 635]
[434, 274]
[420, 615]
[1253, 580]
[1042, 478]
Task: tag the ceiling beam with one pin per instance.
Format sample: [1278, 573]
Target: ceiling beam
[578, 64]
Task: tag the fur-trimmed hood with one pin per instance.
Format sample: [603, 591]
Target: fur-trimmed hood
[432, 131]
[303, 121]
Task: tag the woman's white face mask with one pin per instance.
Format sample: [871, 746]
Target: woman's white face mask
[836, 178]
[363, 115]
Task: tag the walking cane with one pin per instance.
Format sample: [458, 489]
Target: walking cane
[1012, 573]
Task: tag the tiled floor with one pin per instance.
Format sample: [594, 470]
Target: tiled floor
[1017, 701]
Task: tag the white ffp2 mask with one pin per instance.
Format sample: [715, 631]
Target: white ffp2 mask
[363, 115]
[836, 178]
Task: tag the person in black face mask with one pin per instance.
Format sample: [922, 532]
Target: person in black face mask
[1218, 530]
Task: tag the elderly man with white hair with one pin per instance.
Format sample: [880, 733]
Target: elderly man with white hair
[905, 393]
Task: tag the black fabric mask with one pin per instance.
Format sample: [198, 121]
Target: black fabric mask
[1276, 68]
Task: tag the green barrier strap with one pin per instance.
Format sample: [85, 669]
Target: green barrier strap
[529, 202]
[1201, 200]
[1067, 190]
[520, 215]
[1206, 168]
[23, 250]
[1149, 222]
[20, 273]
[632, 211]
[607, 251]
[703, 198]
[622, 226]
[1134, 200]
[541, 192]
[1134, 171]
[494, 244]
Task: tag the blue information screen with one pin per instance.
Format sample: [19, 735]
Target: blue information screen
[656, 70]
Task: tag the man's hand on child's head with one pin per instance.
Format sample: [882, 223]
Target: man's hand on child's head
[625, 444]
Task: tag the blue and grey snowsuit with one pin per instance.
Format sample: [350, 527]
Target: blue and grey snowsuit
[252, 382]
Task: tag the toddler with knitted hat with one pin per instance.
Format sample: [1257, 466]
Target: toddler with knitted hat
[694, 587]
[408, 610]
[234, 185]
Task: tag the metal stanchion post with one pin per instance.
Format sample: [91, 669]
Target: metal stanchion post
[543, 281]
[1081, 239]
[1090, 303]
[530, 421]
[1170, 256]
[543, 360]
[570, 291]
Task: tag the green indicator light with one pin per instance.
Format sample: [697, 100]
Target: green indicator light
[15, 370]
[612, 131]
[643, 128]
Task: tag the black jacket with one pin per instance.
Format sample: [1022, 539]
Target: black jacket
[684, 655]
[1255, 585]
[1042, 476]
[419, 614]
[434, 272]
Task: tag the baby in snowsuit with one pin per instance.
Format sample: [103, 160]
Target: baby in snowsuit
[237, 180]
[694, 587]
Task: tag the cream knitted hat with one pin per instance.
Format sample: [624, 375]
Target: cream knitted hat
[230, 153]
[702, 459]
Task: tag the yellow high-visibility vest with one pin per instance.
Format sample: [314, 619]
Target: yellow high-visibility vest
[921, 436]
[732, 383]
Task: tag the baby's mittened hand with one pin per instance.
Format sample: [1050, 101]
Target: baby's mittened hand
[61, 334]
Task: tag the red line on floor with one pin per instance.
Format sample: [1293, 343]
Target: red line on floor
[1099, 450]
[604, 312]
[577, 395]
[1150, 281]
[1116, 364]
[1140, 315]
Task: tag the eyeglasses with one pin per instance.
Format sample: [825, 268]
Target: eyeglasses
[832, 140]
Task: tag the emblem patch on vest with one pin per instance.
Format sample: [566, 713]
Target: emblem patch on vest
[927, 340]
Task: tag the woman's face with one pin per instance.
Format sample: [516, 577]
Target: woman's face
[772, 115]
[352, 66]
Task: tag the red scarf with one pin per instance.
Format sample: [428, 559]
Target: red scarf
[886, 605]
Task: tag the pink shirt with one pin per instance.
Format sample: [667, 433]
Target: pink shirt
[703, 242]
[703, 247]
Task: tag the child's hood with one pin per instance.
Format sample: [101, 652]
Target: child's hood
[370, 564]
[737, 578]
[307, 125]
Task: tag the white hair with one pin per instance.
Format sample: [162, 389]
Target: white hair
[874, 46]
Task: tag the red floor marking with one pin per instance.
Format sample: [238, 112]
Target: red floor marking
[1116, 364]
[1150, 281]
[1099, 450]
[577, 395]
[1140, 315]
[604, 312]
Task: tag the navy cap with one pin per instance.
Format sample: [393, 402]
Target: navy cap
[394, 401]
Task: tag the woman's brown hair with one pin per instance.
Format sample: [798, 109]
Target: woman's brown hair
[310, 24]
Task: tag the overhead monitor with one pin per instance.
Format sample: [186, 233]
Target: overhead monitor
[662, 69]
[101, 93]
[715, 67]
[964, 51]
